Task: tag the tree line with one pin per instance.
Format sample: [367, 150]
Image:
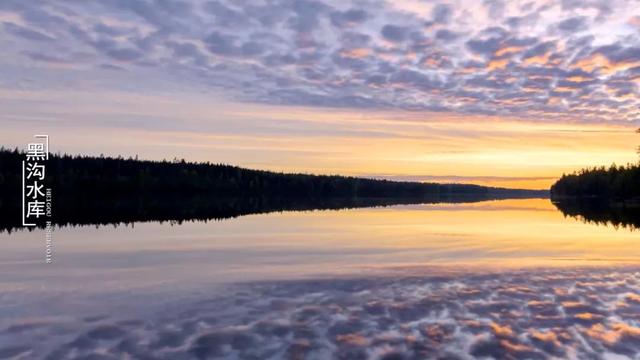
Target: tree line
[93, 189]
[614, 182]
[108, 176]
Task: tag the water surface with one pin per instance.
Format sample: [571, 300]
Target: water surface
[356, 280]
[287, 245]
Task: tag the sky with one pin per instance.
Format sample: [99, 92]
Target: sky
[502, 93]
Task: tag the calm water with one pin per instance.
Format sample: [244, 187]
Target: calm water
[238, 288]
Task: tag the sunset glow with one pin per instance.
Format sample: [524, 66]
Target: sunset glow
[404, 145]
[505, 94]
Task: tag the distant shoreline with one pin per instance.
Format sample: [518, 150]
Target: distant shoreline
[106, 190]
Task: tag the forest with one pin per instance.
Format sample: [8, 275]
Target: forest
[614, 182]
[90, 189]
[601, 195]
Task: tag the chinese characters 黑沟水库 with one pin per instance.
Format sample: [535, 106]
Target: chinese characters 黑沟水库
[33, 180]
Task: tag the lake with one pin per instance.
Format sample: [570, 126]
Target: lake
[502, 278]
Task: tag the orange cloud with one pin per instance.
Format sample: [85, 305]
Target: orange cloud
[497, 64]
[508, 50]
[587, 316]
[612, 336]
[564, 89]
[634, 21]
[602, 63]
[634, 298]
[352, 339]
[499, 330]
[356, 53]
[578, 78]
[514, 347]
[539, 59]
[547, 337]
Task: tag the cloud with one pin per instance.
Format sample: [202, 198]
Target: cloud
[573, 24]
[446, 35]
[495, 8]
[124, 54]
[351, 17]
[47, 58]
[225, 15]
[521, 59]
[394, 33]
[416, 80]
[619, 54]
[539, 51]
[484, 47]
[442, 13]
[604, 7]
[26, 33]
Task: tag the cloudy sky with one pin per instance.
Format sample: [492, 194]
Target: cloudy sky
[508, 93]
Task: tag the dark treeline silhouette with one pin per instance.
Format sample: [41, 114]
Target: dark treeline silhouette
[602, 211]
[617, 183]
[101, 190]
[601, 195]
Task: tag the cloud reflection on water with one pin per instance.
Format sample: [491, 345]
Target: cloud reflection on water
[536, 314]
